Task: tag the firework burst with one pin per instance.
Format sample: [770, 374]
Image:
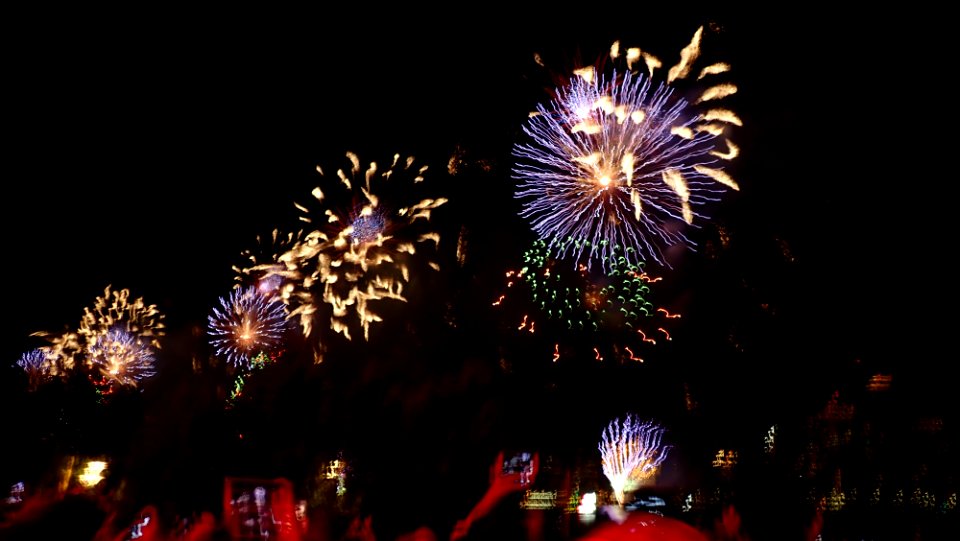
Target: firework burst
[115, 310]
[358, 249]
[121, 358]
[624, 160]
[262, 267]
[631, 453]
[38, 365]
[248, 323]
[609, 309]
[62, 352]
[117, 340]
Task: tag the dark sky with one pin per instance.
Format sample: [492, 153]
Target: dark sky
[149, 152]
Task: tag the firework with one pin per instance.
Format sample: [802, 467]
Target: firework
[631, 453]
[257, 362]
[262, 266]
[61, 353]
[358, 251]
[246, 324]
[37, 365]
[615, 298]
[116, 339]
[608, 307]
[120, 357]
[115, 310]
[624, 160]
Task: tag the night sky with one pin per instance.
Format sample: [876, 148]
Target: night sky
[148, 154]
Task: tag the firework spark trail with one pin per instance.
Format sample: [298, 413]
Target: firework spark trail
[263, 267]
[631, 453]
[258, 362]
[121, 358]
[359, 253]
[115, 310]
[247, 324]
[620, 160]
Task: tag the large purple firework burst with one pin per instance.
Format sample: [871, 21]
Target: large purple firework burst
[246, 324]
[624, 160]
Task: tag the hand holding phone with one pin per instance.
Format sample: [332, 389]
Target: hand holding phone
[515, 470]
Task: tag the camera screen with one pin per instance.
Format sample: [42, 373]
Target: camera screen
[517, 462]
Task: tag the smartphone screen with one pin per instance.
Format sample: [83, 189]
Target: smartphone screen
[518, 462]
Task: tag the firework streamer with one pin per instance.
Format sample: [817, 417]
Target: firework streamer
[364, 230]
[115, 310]
[262, 267]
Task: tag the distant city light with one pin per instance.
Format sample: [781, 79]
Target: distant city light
[879, 382]
[725, 459]
[539, 499]
[337, 469]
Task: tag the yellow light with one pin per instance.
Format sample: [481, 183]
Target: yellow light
[588, 504]
[92, 473]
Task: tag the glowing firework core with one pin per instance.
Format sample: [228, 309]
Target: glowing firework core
[367, 226]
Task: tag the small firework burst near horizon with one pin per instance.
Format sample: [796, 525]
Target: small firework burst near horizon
[624, 160]
[246, 324]
[631, 453]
